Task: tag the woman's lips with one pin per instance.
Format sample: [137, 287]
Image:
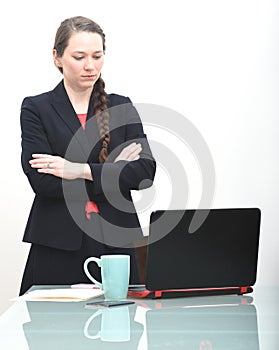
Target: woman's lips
[88, 76]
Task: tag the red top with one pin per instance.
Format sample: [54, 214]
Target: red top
[82, 119]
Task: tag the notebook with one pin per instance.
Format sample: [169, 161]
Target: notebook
[201, 252]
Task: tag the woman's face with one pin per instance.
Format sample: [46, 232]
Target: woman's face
[82, 60]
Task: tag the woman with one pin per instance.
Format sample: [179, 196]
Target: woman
[83, 151]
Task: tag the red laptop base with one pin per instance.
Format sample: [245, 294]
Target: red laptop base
[174, 293]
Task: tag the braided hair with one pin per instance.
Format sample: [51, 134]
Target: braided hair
[63, 34]
[100, 109]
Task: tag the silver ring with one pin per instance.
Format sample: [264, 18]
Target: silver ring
[48, 165]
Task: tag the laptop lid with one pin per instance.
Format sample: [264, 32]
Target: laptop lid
[221, 250]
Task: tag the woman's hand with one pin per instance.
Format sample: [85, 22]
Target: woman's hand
[60, 167]
[130, 153]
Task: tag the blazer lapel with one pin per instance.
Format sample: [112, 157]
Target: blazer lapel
[62, 105]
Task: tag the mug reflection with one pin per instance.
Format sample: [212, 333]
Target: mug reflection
[71, 326]
[115, 324]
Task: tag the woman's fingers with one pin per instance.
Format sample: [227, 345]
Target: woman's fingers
[134, 151]
[130, 152]
[47, 164]
[39, 155]
[42, 161]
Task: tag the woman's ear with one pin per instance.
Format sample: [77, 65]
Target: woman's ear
[56, 59]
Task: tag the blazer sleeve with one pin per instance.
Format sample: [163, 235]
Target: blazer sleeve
[125, 175]
[34, 139]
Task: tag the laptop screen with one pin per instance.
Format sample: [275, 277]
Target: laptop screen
[222, 251]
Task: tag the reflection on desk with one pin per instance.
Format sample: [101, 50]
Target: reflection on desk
[71, 326]
[202, 323]
[208, 323]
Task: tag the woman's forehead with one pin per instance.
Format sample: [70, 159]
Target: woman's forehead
[82, 41]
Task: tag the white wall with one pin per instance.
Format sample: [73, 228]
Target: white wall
[216, 62]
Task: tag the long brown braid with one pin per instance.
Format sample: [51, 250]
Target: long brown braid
[63, 34]
[100, 109]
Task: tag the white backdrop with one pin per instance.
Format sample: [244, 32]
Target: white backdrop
[215, 62]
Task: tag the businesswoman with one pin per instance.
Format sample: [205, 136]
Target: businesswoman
[83, 151]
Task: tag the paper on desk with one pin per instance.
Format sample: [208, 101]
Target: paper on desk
[62, 294]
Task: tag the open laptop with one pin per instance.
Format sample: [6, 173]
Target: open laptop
[201, 252]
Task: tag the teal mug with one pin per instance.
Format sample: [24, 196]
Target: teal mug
[115, 274]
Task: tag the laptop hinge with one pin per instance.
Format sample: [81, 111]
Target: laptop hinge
[243, 290]
[158, 294]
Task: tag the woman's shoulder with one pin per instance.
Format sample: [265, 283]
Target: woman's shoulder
[55, 93]
[116, 99]
[35, 102]
[37, 97]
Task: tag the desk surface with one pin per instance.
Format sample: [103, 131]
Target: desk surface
[206, 323]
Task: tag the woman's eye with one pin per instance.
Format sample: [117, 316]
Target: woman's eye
[97, 57]
[78, 58]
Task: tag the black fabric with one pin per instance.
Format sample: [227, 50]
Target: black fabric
[51, 266]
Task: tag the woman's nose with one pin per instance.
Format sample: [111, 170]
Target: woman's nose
[89, 64]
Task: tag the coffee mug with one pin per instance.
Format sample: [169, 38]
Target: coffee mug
[115, 274]
[115, 325]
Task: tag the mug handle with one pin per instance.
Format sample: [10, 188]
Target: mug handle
[85, 267]
[87, 324]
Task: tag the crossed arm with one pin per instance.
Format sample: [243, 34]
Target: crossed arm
[64, 169]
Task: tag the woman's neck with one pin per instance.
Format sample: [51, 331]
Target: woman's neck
[79, 99]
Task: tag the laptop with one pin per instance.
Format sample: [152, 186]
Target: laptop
[201, 252]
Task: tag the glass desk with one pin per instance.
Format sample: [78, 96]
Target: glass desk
[248, 322]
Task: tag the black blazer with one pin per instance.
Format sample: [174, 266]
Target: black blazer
[57, 219]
